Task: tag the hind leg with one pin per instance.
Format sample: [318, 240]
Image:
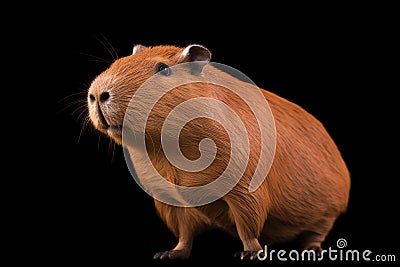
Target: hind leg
[312, 239]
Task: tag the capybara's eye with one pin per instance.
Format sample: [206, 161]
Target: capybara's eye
[163, 69]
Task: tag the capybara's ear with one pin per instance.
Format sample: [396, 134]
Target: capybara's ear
[138, 48]
[197, 54]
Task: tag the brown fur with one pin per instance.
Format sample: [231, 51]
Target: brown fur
[306, 189]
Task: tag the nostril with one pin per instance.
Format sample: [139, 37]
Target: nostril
[104, 96]
[92, 98]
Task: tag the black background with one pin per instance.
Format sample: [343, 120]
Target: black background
[332, 60]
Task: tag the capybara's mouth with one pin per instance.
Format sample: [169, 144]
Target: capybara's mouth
[114, 130]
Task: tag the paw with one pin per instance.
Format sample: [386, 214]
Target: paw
[171, 255]
[315, 246]
[247, 255]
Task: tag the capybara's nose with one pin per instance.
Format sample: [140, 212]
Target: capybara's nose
[92, 98]
[104, 96]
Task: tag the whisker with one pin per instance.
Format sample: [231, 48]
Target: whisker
[111, 148]
[111, 46]
[98, 143]
[76, 104]
[81, 106]
[110, 51]
[83, 115]
[97, 58]
[86, 124]
[85, 85]
[65, 98]
[72, 100]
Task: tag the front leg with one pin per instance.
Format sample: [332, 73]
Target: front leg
[181, 251]
[184, 223]
[251, 245]
[249, 219]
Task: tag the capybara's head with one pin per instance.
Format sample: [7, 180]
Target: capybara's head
[111, 91]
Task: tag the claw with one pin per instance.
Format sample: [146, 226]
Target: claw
[246, 255]
[317, 249]
[171, 255]
[315, 246]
